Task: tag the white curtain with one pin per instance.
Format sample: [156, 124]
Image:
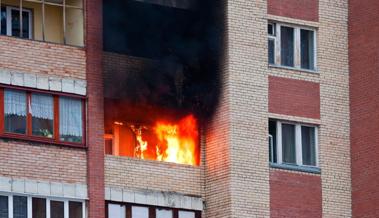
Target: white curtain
[15, 102]
[70, 117]
[42, 106]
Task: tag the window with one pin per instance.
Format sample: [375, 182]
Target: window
[55, 21]
[295, 46]
[293, 144]
[38, 207]
[41, 116]
[123, 210]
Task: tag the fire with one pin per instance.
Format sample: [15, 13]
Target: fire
[167, 141]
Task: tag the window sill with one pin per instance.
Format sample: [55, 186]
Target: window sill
[306, 169]
[36, 139]
[293, 68]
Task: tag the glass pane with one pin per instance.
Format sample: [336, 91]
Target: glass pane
[116, 211]
[15, 20]
[15, 111]
[140, 212]
[272, 133]
[42, 110]
[186, 214]
[288, 143]
[74, 27]
[309, 145]
[39, 208]
[287, 46]
[271, 51]
[3, 21]
[20, 207]
[307, 49]
[56, 209]
[70, 119]
[75, 209]
[54, 23]
[163, 213]
[4, 206]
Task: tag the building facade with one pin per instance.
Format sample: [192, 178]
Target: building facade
[188, 109]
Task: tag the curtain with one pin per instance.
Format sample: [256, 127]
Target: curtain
[70, 117]
[15, 102]
[42, 106]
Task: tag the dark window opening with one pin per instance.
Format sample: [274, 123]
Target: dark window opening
[287, 46]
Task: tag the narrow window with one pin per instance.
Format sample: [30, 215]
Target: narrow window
[287, 46]
[163, 213]
[4, 206]
[288, 143]
[15, 23]
[116, 211]
[3, 16]
[140, 212]
[271, 51]
[308, 145]
[56, 209]
[20, 207]
[186, 214]
[75, 209]
[272, 141]
[15, 111]
[70, 120]
[307, 49]
[42, 111]
[39, 208]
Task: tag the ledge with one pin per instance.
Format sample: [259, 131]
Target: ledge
[316, 72]
[306, 169]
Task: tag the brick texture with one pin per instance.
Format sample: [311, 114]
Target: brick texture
[95, 107]
[294, 97]
[42, 162]
[42, 58]
[364, 91]
[295, 195]
[298, 9]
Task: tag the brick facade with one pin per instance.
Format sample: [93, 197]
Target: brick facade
[364, 78]
[287, 96]
[298, 9]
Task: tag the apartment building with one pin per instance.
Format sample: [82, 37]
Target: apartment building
[188, 109]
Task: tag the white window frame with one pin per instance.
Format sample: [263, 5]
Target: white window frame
[48, 199]
[9, 20]
[297, 45]
[298, 143]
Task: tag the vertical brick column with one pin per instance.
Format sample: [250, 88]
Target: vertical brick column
[95, 109]
[364, 107]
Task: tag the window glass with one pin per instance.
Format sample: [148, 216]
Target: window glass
[308, 145]
[39, 208]
[4, 206]
[42, 110]
[307, 49]
[287, 46]
[271, 51]
[271, 29]
[272, 139]
[56, 209]
[288, 143]
[20, 207]
[75, 209]
[15, 22]
[3, 17]
[116, 211]
[163, 213]
[186, 214]
[140, 212]
[15, 111]
[70, 119]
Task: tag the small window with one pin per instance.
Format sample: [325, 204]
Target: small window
[56, 209]
[293, 144]
[11, 25]
[163, 213]
[70, 120]
[20, 207]
[271, 29]
[116, 211]
[307, 49]
[186, 214]
[140, 212]
[42, 111]
[271, 51]
[38, 208]
[287, 46]
[15, 111]
[75, 209]
[4, 206]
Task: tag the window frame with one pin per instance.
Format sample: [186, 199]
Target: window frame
[48, 200]
[297, 46]
[152, 209]
[298, 144]
[8, 10]
[29, 136]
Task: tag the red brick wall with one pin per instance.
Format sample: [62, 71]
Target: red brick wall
[42, 58]
[294, 97]
[95, 109]
[295, 195]
[364, 107]
[298, 9]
